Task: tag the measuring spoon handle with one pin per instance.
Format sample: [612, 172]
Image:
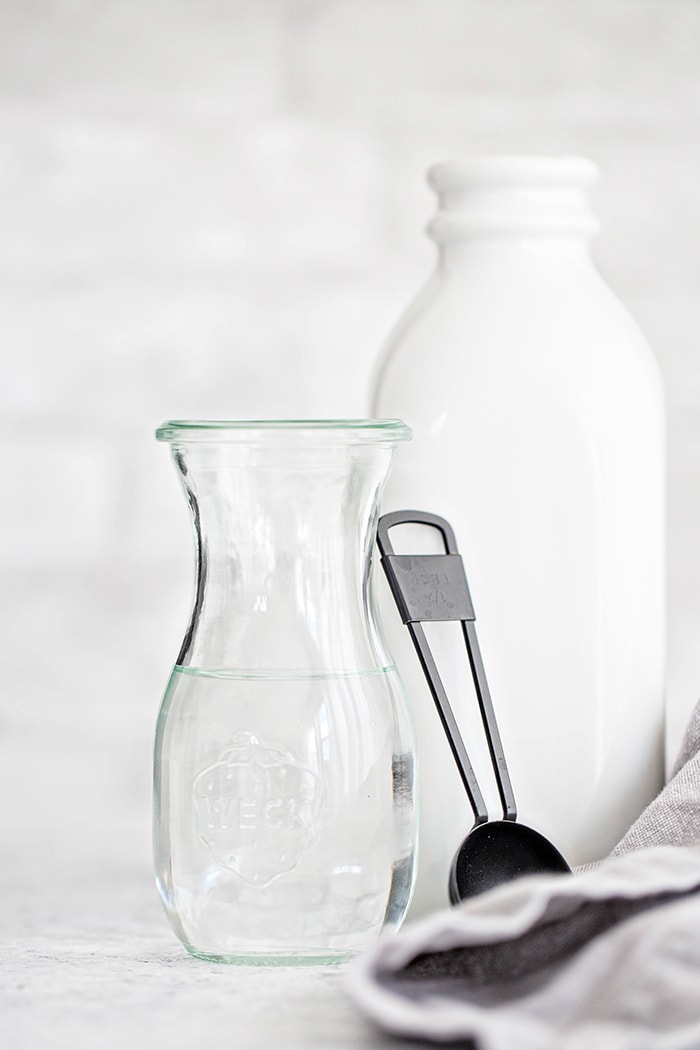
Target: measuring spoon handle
[432, 587]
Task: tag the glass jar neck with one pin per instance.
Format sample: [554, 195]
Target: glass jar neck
[284, 528]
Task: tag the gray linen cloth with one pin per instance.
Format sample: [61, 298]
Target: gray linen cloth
[605, 959]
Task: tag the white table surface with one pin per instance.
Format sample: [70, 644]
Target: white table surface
[97, 966]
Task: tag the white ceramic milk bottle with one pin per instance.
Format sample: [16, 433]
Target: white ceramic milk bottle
[538, 421]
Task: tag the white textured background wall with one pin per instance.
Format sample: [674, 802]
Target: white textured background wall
[215, 208]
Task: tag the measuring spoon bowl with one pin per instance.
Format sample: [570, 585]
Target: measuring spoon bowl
[498, 851]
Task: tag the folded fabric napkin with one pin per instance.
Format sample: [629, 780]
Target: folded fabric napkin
[605, 959]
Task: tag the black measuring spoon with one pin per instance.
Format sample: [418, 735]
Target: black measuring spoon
[431, 587]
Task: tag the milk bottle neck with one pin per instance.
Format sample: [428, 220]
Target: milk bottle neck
[513, 207]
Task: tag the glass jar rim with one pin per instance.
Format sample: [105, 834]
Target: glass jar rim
[241, 429]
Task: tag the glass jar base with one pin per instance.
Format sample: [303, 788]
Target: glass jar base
[306, 957]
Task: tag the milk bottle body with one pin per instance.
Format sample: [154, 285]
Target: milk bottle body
[538, 420]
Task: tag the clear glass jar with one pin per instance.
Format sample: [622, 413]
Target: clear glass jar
[284, 827]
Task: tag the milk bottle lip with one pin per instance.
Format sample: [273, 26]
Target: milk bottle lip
[515, 171]
[513, 197]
